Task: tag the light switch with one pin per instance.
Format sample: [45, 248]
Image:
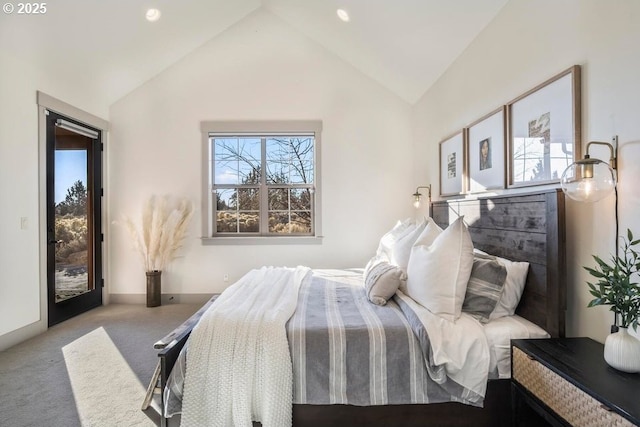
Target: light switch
[24, 223]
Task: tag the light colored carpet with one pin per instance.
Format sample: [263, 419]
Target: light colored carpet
[91, 370]
[99, 373]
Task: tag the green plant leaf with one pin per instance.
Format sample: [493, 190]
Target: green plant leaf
[616, 284]
[594, 273]
[595, 293]
[593, 303]
[600, 261]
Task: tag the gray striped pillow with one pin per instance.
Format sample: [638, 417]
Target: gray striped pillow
[484, 288]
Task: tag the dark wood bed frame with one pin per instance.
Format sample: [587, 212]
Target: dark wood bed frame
[523, 227]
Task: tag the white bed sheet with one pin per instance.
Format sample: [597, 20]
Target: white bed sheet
[499, 334]
[460, 346]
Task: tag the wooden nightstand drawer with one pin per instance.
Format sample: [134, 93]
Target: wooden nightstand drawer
[563, 398]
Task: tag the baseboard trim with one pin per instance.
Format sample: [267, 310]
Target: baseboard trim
[15, 337]
[29, 331]
[166, 298]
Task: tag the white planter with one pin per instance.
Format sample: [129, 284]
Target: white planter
[622, 351]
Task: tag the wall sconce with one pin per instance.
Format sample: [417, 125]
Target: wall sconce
[417, 195]
[590, 180]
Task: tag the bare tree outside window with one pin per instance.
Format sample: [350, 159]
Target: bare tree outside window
[263, 185]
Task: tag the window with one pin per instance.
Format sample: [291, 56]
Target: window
[263, 179]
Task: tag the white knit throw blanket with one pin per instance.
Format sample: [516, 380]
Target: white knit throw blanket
[238, 362]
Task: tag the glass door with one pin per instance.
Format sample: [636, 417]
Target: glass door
[73, 218]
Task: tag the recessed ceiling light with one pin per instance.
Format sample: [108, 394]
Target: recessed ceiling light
[153, 15]
[343, 15]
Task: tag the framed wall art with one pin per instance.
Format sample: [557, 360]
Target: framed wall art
[452, 161]
[544, 130]
[486, 152]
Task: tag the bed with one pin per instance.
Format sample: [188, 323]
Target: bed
[525, 227]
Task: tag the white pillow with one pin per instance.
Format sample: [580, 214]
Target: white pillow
[428, 234]
[439, 269]
[513, 286]
[389, 239]
[396, 244]
[402, 249]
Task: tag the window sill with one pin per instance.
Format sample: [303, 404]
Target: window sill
[289, 240]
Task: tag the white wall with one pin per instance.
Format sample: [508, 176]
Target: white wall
[262, 69]
[528, 42]
[259, 69]
[20, 286]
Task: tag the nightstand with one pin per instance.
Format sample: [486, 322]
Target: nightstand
[567, 382]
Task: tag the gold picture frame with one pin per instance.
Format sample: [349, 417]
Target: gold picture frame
[543, 130]
[486, 147]
[453, 164]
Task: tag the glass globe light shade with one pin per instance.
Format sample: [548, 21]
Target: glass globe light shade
[416, 200]
[588, 180]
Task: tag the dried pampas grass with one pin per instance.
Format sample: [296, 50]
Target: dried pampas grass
[164, 225]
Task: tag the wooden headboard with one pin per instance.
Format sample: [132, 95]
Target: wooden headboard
[523, 227]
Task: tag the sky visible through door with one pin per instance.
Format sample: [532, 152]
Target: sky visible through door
[71, 166]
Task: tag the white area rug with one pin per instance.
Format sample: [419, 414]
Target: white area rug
[106, 391]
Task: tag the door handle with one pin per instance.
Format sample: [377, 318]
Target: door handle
[55, 242]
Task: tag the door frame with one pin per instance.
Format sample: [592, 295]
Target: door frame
[71, 307]
[48, 103]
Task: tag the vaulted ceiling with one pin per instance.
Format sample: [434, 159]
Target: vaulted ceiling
[405, 45]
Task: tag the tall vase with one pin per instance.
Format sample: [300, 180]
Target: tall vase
[622, 351]
[154, 288]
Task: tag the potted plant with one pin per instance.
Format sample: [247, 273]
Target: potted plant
[164, 224]
[617, 286]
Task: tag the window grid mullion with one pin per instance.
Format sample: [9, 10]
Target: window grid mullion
[214, 187]
[264, 194]
[289, 204]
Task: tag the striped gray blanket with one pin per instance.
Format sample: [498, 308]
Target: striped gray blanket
[346, 350]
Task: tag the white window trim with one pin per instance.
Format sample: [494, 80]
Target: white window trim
[286, 127]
